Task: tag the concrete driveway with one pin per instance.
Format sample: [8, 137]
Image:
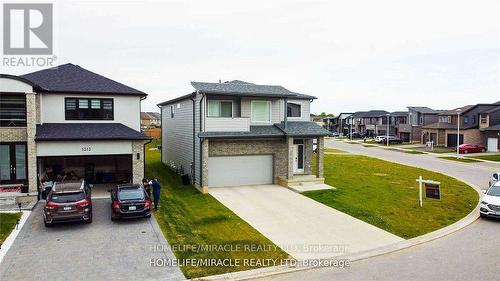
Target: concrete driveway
[103, 250]
[471, 253]
[302, 227]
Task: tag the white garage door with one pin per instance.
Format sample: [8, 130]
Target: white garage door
[493, 144]
[240, 170]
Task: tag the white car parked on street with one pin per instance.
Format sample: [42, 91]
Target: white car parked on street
[490, 202]
[494, 178]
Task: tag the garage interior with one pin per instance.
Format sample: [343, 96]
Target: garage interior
[103, 171]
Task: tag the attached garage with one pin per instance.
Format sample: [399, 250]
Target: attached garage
[240, 170]
[492, 144]
[452, 140]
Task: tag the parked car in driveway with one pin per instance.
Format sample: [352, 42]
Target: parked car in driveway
[379, 138]
[129, 201]
[494, 179]
[471, 148]
[68, 201]
[490, 202]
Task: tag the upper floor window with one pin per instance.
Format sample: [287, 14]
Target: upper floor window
[444, 119]
[483, 118]
[293, 110]
[89, 109]
[12, 110]
[466, 119]
[220, 108]
[261, 111]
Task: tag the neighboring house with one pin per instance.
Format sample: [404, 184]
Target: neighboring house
[371, 123]
[401, 125]
[338, 124]
[240, 133]
[419, 116]
[150, 120]
[318, 120]
[478, 125]
[68, 120]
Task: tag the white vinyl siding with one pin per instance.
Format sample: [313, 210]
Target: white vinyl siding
[305, 107]
[261, 111]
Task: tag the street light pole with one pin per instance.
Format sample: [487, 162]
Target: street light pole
[458, 132]
[387, 133]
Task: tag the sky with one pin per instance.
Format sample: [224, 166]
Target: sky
[353, 55]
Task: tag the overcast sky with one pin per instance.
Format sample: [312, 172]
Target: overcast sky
[352, 55]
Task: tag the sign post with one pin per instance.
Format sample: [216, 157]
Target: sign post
[432, 189]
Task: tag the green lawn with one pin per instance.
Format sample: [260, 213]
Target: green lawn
[441, 151]
[385, 194]
[188, 217]
[7, 223]
[491, 157]
[334, 150]
[463, 160]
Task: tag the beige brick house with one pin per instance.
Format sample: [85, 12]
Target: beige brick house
[68, 122]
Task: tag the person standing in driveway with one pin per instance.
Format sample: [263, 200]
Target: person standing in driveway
[156, 192]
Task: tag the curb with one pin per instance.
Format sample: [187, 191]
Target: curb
[12, 236]
[440, 233]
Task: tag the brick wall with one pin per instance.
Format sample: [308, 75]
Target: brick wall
[277, 148]
[13, 134]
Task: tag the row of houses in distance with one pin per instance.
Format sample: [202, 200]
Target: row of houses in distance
[479, 124]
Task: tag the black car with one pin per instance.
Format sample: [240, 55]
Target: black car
[129, 201]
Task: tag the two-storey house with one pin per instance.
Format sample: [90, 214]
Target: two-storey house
[478, 125]
[69, 123]
[419, 116]
[338, 124]
[239, 133]
[401, 126]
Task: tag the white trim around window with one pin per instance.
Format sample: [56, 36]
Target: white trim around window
[260, 119]
[219, 108]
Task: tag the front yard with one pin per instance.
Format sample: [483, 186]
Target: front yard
[459, 159]
[385, 194]
[7, 223]
[191, 219]
[490, 157]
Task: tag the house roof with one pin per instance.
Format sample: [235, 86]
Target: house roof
[399, 113]
[423, 109]
[86, 131]
[297, 128]
[242, 88]
[70, 78]
[150, 115]
[454, 111]
[255, 132]
[493, 128]
[294, 128]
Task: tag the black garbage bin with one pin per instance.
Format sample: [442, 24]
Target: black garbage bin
[185, 179]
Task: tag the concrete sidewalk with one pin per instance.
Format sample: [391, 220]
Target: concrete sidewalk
[302, 227]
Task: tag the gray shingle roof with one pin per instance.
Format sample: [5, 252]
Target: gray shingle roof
[294, 128]
[297, 128]
[255, 131]
[86, 131]
[237, 87]
[493, 128]
[423, 109]
[70, 78]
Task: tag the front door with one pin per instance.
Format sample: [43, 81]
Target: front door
[298, 160]
[13, 161]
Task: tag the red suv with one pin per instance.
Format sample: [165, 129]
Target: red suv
[68, 201]
[468, 148]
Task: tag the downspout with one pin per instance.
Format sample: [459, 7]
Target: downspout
[286, 114]
[201, 140]
[161, 132]
[194, 139]
[144, 145]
